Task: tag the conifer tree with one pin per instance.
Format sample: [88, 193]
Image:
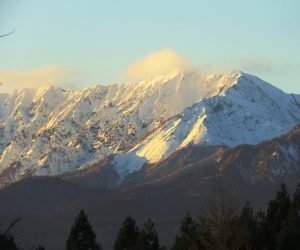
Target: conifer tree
[248, 237]
[40, 248]
[261, 235]
[82, 236]
[7, 242]
[289, 235]
[277, 213]
[188, 237]
[148, 239]
[127, 236]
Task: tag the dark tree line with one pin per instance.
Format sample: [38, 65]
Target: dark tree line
[221, 227]
[130, 237]
[226, 228]
[82, 235]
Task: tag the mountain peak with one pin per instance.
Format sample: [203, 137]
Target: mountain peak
[52, 131]
[235, 73]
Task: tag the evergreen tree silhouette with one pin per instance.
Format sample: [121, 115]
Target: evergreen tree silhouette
[127, 236]
[188, 237]
[289, 235]
[7, 242]
[40, 248]
[148, 238]
[82, 236]
[277, 213]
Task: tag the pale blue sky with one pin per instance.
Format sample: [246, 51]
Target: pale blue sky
[96, 40]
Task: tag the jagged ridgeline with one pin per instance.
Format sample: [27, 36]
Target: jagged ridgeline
[51, 131]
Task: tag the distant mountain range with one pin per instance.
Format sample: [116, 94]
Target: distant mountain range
[51, 131]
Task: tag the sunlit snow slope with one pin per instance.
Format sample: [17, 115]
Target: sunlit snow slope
[51, 131]
[246, 110]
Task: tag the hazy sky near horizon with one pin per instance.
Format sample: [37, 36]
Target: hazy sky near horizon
[77, 43]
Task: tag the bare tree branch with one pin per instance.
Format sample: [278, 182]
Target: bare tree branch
[7, 34]
[11, 226]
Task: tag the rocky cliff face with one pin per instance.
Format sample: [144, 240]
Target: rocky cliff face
[51, 131]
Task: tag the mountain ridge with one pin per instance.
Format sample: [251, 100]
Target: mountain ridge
[273, 161]
[61, 131]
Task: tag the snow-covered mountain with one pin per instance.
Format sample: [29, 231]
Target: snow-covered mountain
[246, 110]
[51, 131]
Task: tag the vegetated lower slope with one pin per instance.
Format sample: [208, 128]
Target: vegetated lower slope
[272, 161]
[103, 174]
[48, 206]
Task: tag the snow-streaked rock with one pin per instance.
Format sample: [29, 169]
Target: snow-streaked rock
[51, 131]
[246, 111]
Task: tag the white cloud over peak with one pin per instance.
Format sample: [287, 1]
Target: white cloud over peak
[156, 63]
[37, 77]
